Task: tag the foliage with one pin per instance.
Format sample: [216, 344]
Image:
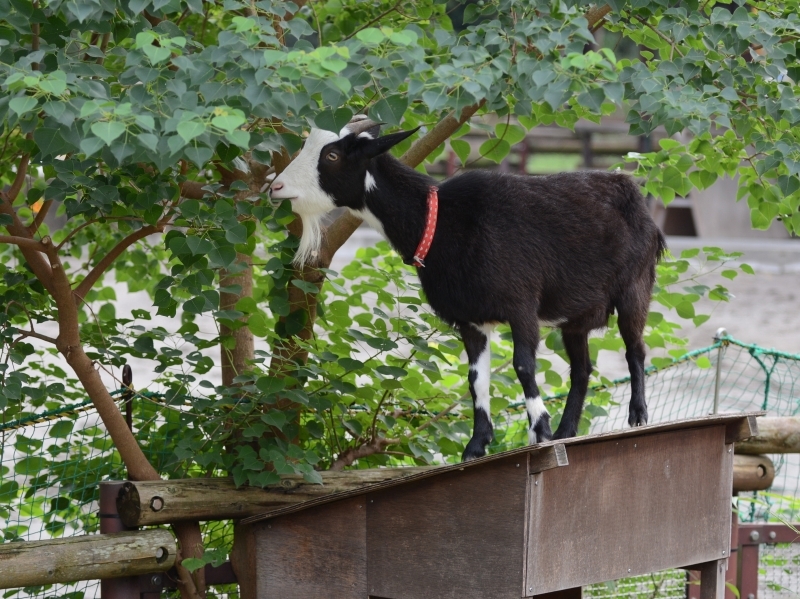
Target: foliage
[169, 115]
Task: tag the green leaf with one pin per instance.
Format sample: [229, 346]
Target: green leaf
[61, 429]
[747, 268]
[461, 148]
[108, 131]
[193, 563]
[495, 149]
[305, 286]
[390, 110]
[331, 120]
[156, 54]
[513, 134]
[703, 362]
[228, 122]
[239, 138]
[199, 155]
[22, 104]
[370, 35]
[190, 129]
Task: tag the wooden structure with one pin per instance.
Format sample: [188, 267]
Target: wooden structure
[542, 519]
[32, 563]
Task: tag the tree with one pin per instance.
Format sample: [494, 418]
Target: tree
[153, 126]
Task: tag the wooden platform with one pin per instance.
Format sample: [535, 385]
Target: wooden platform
[537, 520]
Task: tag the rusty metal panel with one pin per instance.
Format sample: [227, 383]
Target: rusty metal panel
[456, 535]
[628, 506]
[318, 553]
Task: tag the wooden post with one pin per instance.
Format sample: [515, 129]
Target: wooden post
[752, 473]
[775, 435]
[126, 587]
[712, 579]
[89, 557]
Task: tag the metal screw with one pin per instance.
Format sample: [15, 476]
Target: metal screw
[634, 445]
[772, 535]
[629, 570]
[751, 596]
[371, 501]
[517, 465]
[156, 504]
[723, 552]
[729, 449]
[536, 482]
[359, 507]
[156, 580]
[530, 589]
[754, 535]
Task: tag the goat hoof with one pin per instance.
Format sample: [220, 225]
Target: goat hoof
[564, 433]
[637, 416]
[540, 432]
[473, 451]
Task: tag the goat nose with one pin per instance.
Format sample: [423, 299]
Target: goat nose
[277, 186]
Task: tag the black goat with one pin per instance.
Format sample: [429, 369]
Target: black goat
[563, 250]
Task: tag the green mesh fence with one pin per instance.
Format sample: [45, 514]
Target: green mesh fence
[51, 463]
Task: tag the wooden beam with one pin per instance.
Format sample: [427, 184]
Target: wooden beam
[553, 456]
[742, 429]
[752, 472]
[147, 503]
[88, 557]
[775, 435]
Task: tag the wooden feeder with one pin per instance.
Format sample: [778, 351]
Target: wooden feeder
[543, 519]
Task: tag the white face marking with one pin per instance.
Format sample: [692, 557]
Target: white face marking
[372, 220]
[369, 182]
[483, 372]
[536, 409]
[301, 184]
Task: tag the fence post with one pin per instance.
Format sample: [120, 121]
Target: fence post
[126, 587]
[719, 336]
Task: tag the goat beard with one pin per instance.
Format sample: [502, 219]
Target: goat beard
[310, 240]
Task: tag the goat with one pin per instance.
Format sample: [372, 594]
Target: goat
[561, 250]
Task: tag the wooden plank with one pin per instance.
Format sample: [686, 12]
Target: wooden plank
[88, 557]
[243, 560]
[752, 473]
[554, 456]
[739, 431]
[630, 506]
[453, 536]
[148, 503]
[651, 429]
[319, 553]
[775, 435]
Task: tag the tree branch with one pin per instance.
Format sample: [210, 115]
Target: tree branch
[91, 222]
[375, 445]
[596, 14]
[35, 260]
[36, 335]
[193, 190]
[22, 171]
[85, 286]
[22, 242]
[40, 216]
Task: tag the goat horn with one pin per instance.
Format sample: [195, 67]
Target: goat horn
[361, 123]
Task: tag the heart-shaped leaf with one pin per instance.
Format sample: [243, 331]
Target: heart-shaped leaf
[108, 131]
[22, 104]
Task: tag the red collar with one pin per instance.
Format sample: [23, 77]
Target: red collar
[430, 228]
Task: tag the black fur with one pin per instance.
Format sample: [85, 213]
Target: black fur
[518, 249]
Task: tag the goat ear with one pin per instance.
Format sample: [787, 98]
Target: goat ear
[375, 147]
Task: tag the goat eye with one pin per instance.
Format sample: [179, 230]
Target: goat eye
[332, 156]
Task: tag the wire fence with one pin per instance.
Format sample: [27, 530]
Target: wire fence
[51, 463]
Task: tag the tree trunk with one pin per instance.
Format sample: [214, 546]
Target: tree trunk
[237, 347]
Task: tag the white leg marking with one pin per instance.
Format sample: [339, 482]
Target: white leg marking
[483, 372]
[536, 409]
